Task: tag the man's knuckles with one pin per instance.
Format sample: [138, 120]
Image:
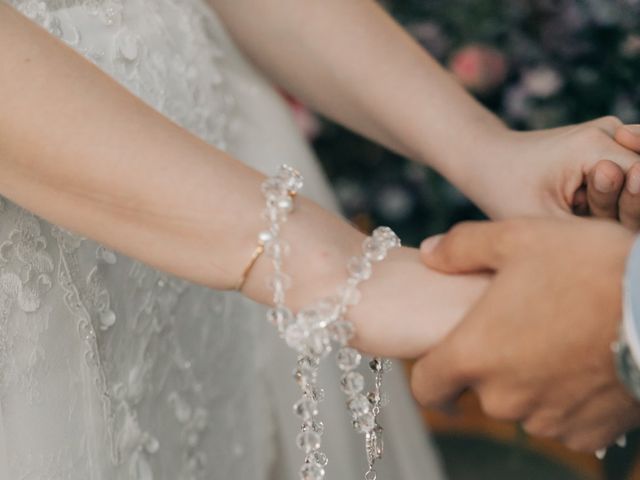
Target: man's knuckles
[544, 425]
[504, 404]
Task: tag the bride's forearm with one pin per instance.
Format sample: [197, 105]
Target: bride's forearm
[79, 150]
[352, 62]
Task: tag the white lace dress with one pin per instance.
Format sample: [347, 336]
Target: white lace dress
[111, 370]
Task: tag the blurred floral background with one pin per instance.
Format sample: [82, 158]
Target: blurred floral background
[537, 64]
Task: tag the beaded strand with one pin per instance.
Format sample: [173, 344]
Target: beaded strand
[312, 331]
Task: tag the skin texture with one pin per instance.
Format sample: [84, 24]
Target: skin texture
[104, 184]
[629, 199]
[371, 76]
[537, 346]
[70, 159]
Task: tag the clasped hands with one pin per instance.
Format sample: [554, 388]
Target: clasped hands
[536, 345]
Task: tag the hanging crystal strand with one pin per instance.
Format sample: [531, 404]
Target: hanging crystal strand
[364, 409]
[312, 330]
[279, 192]
[373, 439]
[309, 439]
[309, 336]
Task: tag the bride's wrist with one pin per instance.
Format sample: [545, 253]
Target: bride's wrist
[320, 245]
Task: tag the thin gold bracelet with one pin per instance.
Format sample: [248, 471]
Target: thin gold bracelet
[254, 258]
[245, 274]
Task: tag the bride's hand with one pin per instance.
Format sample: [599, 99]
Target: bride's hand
[554, 172]
[407, 308]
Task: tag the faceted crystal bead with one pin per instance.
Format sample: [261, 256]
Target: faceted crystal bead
[309, 317]
[374, 249]
[295, 336]
[360, 268]
[359, 405]
[273, 188]
[376, 442]
[290, 178]
[342, 331]
[387, 237]
[301, 378]
[365, 423]
[318, 458]
[387, 365]
[376, 365]
[265, 237]
[280, 317]
[374, 398]
[348, 358]
[317, 394]
[277, 250]
[352, 383]
[306, 408]
[327, 309]
[318, 427]
[285, 204]
[349, 294]
[318, 342]
[308, 364]
[273, 214]
[311, 471]
[308, 441]
[279, 280]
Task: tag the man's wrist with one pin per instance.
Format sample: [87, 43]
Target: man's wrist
[631, 305]
[627, 350]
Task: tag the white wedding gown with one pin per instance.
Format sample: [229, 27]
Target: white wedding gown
[111, 370]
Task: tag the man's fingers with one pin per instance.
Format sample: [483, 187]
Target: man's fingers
[580, 204]
[604, 185]
[435, 380]
[444, 373]
[629, 204]
[469, 247]
[600, 421]
[458, 361]
[629, 137]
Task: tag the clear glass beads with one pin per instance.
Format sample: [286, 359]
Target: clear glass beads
[312, 331]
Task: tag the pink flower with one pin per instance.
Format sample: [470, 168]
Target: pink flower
[479, 68]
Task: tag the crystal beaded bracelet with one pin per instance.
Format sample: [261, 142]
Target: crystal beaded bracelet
[314, 329]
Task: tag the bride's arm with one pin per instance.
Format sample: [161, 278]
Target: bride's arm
[79, 150]
[352, 62]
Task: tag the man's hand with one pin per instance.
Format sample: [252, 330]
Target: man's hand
[537, 346]
[611, 192]
[591, 168]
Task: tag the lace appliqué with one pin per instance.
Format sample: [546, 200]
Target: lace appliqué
[194, 65]
[165, 52]
[25, 277]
